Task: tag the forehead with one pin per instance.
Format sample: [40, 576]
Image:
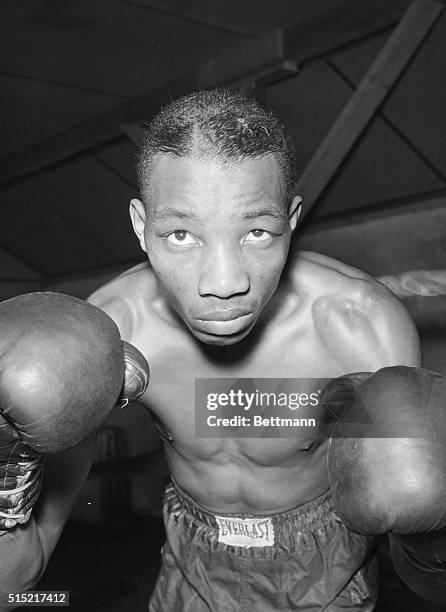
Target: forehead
[211, 180]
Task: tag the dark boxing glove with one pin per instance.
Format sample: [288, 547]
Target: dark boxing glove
[387, 467]
[136, 374]
[63, 367]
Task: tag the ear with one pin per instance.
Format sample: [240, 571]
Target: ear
[138, 216]
[294, 211]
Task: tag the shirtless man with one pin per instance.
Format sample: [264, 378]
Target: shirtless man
[218, 299]
[216, 217]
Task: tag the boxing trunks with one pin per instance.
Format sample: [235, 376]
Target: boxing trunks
[303, 559]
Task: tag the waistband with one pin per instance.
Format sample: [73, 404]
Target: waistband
[304, 528]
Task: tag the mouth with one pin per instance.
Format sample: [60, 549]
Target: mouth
[224, 322]
[227, 314]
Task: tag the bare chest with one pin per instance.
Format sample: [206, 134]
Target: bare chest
[178, 372]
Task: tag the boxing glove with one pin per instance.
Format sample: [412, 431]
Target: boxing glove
[63, 366]
[387, 466]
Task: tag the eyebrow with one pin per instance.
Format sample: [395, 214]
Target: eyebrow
[267, 211]
[167, 213]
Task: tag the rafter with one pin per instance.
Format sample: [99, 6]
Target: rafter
[384, 72]
[267, 59]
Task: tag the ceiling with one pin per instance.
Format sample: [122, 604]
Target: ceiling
[71, 72]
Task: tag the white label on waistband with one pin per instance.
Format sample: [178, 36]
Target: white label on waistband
[245, 532]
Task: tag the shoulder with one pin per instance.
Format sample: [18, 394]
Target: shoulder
[355, 314]
[126, 297]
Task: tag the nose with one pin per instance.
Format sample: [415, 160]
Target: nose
[223, 273]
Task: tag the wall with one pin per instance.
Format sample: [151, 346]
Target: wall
[16, 277]
[387, 241]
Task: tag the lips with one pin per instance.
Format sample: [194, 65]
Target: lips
[227, 314]
[224, 322]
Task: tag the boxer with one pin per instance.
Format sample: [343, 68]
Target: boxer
[219, 298]
[259, 523]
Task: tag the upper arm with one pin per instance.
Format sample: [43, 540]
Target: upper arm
[397, 335]
[367, 331]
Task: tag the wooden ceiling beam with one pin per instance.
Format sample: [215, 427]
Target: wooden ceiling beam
[155, 7]
[257, 58]
[348, 23]
[265, 59]
[384, 72]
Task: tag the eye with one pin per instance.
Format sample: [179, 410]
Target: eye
[258, 235]
[180, 238]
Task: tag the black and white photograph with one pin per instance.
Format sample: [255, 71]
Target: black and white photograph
[223, 305]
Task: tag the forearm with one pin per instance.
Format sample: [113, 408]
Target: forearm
[420, 561]
[26, 549]
[22, 560]
[65, 475]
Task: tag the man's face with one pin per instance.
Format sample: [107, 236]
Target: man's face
[217, 236]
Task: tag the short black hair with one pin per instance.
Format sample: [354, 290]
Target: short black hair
[220, 122]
